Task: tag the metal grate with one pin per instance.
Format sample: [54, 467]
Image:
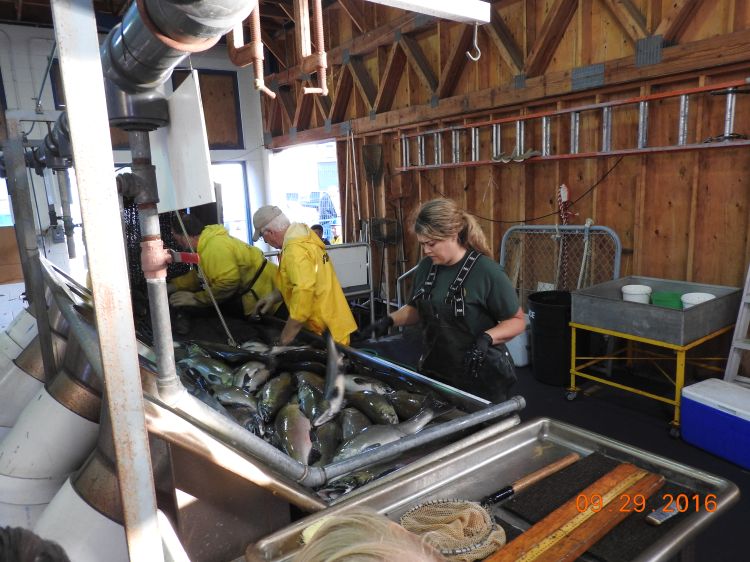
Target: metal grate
[564, 258]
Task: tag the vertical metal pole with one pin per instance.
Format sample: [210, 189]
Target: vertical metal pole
[404, 152]
[684, 112]
[729, 114]
[28, 247]
[606, 129]
[520, 134]
[75, 30]
[474, 144]
[63, 183]
[496, 141]
[546, 136]
[642, 124]
[456, 145]
[575, 124]
[420, 150]
[437, 141]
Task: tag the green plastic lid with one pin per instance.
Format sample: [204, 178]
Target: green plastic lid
[667, 299]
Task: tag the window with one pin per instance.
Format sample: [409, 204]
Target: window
[304, 183]
[6, 217]
[231, 176]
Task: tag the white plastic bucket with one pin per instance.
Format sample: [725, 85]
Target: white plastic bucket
[636, 293]
[691, 299]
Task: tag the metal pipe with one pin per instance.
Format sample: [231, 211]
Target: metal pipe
[63, 183]
[140, 53]
[546, 135]
[496, 141]
[319, 58]
[399, 296]
[78, 44]
[256, 44]
[474, 144]
[425, 436]
[50, 60]
[28, 248]
[606, 129]
[456, 146]
[575, 124]
[420, 151]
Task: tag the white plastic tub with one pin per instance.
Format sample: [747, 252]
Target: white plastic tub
[691, 299]
[636, 293]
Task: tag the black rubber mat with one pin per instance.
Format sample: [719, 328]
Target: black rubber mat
[626, 540]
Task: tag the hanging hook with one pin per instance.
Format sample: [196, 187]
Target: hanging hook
[475, 58]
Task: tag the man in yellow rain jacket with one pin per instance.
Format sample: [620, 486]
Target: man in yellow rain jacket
[238, 274]
[306, 280]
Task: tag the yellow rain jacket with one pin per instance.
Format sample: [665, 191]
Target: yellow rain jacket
[309, 285]
[230, 266]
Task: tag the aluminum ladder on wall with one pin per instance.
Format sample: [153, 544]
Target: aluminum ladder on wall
[740, 340]
[431, 155]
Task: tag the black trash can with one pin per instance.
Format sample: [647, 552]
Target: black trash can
[549, 314]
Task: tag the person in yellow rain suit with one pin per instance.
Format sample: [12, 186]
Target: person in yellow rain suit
[306, 280]
[238, 274]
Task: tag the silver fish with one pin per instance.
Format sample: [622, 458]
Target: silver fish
[307, 377]
[293, 431]
[377, 435]
[374, 406]
[248, 418]
[334, 389]
[356, 383]
[256, 346]
[233, 396]
[345, 484]
[213, 371]
[407, 404]
[311, 400]
[274, 395]
[326, 439]
[352, 422]
[251, 376]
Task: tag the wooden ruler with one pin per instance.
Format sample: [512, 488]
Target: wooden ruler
[569, 531]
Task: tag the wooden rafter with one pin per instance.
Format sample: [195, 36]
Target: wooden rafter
[303, 115]
[392, 73]
[455, 62]
[274, 48]
[362, 80]
[275, 120]
[503, 40]
[361, 44]
[672, 24]
[629, 17]
[323, 103]
[288, 102]
[355, 14]
[418, 62]
[343, 92]
[302, 28]
[553, 29]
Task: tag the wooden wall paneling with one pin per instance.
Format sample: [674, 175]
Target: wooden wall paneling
[479, 199]
[586, 28]
[741, 15]
[420, 65]
[341, 94]
[303, 112]
[287, 98]
[363, 81]
[353, 9]
[708, 20]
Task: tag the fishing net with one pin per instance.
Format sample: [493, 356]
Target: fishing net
[461, 530]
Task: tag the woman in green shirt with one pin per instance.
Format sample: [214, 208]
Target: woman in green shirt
[465, 303]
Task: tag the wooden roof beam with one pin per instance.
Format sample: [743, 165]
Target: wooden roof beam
[394, 68]
[629, 17]
[288, 102]
[362, 80]
[274, 48]
[455, 62]
[304, 109]
[504, 43]
[355, 14]
[343, 92]
[673, 23]
[419, 63]
[553, 29]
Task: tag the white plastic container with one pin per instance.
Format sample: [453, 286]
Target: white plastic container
[636, 293]
[518, 347]
[691, 299]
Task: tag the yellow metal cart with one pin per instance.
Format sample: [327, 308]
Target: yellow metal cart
[628, 354]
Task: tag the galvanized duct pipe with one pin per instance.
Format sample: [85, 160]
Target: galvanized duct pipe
[140, 53]
[63, 182]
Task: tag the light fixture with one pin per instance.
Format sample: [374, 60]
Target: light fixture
[464, 11]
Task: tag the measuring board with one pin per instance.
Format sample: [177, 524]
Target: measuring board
[569, 531]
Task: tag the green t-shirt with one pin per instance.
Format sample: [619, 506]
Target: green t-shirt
[489, 297]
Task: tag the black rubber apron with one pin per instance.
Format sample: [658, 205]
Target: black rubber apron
[447, 339]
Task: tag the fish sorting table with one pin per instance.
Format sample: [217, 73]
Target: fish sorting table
[480, 469]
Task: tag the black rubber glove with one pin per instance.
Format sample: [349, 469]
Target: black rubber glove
[474, 358]
[379, 328]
